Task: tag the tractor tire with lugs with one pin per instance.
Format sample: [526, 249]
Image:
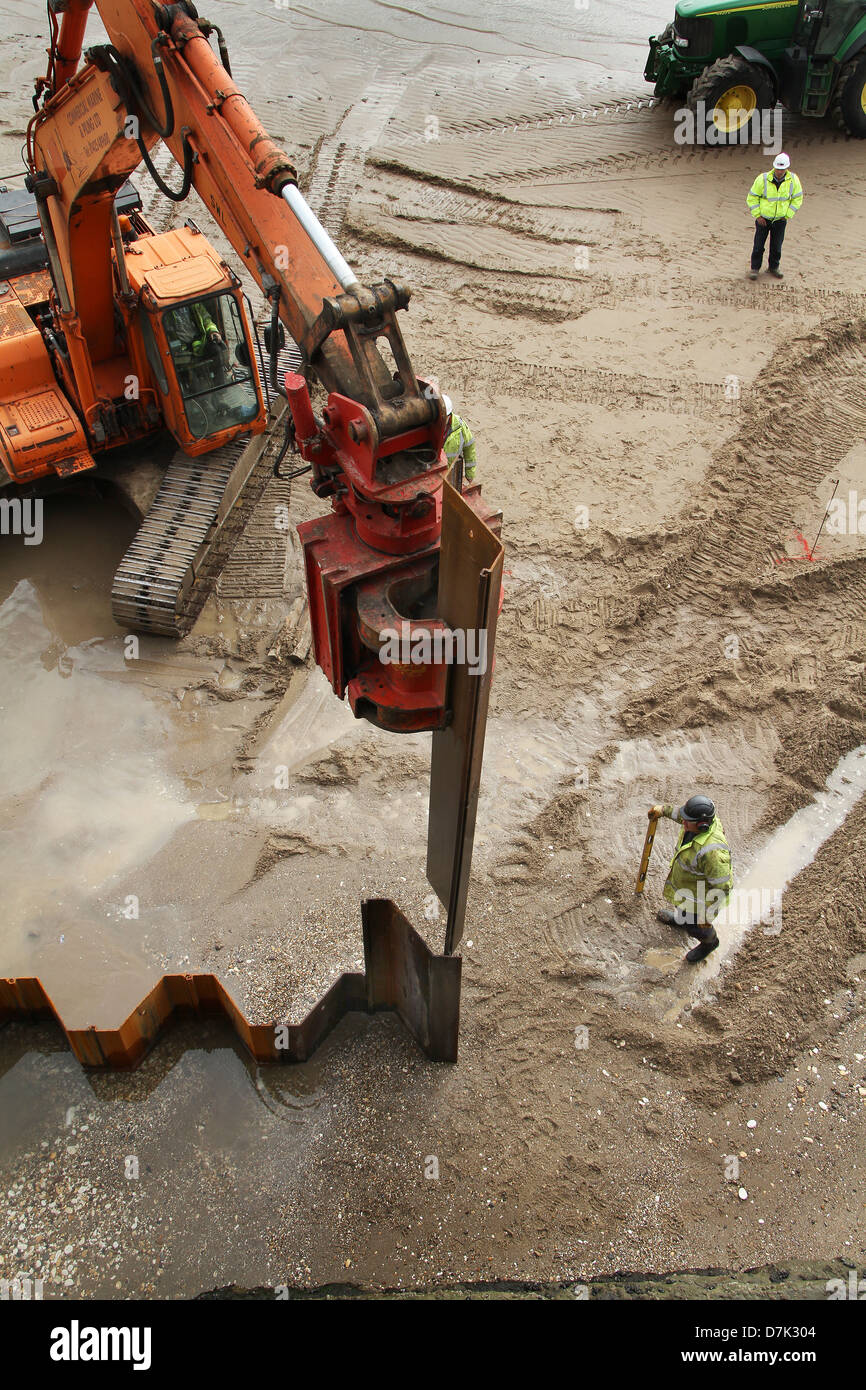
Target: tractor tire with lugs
[847, 108]
[723, 76]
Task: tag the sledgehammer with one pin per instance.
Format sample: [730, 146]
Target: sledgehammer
[647, 849]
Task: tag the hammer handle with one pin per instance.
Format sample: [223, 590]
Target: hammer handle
[647, 851]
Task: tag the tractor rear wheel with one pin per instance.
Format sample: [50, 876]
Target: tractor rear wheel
[734, 91]
[849, 102]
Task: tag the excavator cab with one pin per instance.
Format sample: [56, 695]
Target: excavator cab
[209, 350]
[196, 339]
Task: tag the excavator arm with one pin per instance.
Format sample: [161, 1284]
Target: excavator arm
[373, 563]
[161, 71]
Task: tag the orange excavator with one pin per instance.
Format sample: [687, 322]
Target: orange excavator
[111, 333]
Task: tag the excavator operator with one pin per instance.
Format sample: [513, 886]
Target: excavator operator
[192, 333]
[214, 394]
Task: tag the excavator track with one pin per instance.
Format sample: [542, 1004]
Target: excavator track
[166, 575]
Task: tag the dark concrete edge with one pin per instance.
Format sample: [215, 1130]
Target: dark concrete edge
[793, 1281]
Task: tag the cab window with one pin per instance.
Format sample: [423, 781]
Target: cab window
[209, 351]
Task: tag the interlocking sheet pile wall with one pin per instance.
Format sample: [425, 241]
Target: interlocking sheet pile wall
[401, 974]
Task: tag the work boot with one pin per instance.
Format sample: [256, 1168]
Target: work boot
[779, 274]
[753, 274]
[670, 919]
[702, 950]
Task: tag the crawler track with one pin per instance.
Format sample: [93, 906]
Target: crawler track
[172, 564]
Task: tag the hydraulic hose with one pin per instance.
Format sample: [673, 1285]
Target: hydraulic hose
[124, 79]
[289, 443]
[208, 28]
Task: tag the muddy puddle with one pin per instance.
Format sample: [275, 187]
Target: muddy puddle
[85, 792]
[83, 540]
[92, 784]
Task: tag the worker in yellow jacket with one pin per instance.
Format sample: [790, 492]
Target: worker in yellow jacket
[774, 198]
[700, 879]
[191, 329]
[459, 446]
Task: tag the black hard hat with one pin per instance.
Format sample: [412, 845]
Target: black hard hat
[698, 808]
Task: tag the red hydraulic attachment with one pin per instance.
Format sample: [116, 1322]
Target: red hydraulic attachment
[372, 564]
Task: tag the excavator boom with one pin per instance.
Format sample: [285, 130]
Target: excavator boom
[167, 77]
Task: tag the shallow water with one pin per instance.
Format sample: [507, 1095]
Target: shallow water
[87, 796]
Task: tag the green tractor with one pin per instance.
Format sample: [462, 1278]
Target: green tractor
[741, 58]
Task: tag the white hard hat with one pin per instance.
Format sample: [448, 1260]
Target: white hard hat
[447, 402]
[781, 162]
